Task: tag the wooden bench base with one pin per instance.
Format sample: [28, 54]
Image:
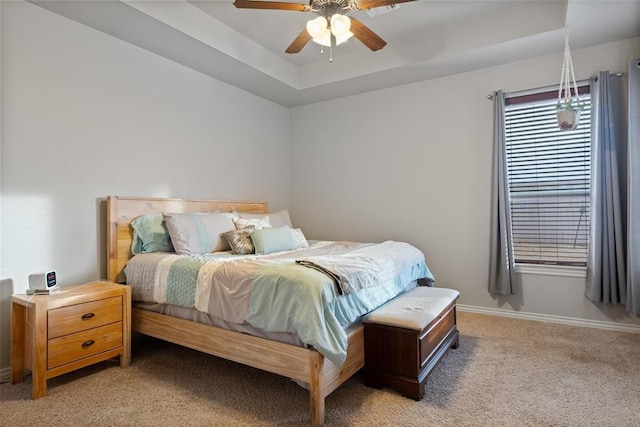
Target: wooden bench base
[403, 358]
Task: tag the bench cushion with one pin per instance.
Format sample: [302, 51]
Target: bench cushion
[414, 309]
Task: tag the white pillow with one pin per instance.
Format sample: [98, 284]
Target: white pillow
[233, 215]
[278, 219]
[299, 239]
[198, 233]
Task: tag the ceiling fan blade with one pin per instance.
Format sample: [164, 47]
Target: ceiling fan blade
[370, 4]
[254, 4]
[301, 41]
[366, 36]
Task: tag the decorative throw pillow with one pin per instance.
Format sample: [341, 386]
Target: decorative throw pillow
[274, 239]
[240, 241]
[150, 234]
[277, 219]
[257, 223]
[198, 233]
[299, 239]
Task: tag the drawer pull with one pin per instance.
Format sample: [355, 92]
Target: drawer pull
[87, 316]
[88, 343]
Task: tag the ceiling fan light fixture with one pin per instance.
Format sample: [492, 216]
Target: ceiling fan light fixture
[340, 25]
[318, 27]
[321, 30]
[344, 37]
[324, 38]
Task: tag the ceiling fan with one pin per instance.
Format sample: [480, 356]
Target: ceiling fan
[332, 27]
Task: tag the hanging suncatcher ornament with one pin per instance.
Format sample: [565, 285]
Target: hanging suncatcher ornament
[568, 106]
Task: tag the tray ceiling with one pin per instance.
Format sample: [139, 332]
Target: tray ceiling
[426, 39]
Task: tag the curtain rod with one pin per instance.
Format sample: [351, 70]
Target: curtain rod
[552, 87]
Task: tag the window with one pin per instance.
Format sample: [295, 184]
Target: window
[549, 174]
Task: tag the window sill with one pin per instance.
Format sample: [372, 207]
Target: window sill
[551, 270]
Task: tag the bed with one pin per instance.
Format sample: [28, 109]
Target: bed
[301, 362]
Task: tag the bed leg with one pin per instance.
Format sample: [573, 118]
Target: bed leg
[316, 389]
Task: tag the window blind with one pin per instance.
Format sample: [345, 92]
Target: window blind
[549, 172]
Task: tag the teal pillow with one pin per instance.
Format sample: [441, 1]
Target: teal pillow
[274, 239]
[150, 234]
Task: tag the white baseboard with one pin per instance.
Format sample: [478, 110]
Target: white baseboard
[5, 375]
[611, 326]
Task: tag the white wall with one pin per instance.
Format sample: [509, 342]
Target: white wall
[414, 163]
[86, 115]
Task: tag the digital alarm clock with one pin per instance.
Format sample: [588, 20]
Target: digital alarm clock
[43, 281]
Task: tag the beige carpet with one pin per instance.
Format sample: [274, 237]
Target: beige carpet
[506, 372]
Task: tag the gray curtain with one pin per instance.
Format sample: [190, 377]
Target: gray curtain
[501, 272]
[606, 263]
[633, 191]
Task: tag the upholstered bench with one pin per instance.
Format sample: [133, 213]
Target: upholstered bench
[405, 338]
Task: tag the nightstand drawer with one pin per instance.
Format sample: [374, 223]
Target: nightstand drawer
[80, 317]
[83, 344]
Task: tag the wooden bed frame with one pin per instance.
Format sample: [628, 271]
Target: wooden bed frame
[303, 364]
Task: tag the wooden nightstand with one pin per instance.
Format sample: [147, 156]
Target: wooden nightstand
[72, 328]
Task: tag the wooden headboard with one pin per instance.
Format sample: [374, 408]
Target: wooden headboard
[122, 210]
